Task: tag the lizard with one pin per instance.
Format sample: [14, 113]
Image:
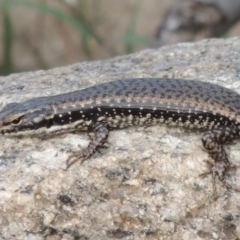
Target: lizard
[139, 101]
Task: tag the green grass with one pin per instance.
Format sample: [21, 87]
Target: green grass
[74, 17]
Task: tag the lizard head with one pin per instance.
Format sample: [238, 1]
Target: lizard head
[13, 118]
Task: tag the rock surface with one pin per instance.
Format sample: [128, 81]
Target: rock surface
[145, 185]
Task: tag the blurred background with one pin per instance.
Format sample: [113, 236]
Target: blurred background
[42, 34]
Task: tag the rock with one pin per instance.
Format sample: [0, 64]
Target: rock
[145, 185]
[188, 20]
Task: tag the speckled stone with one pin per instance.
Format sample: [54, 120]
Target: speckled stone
[145, 185]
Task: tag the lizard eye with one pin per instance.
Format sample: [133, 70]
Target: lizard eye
[17, 121]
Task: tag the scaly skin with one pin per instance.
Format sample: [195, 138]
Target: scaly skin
[124, 103]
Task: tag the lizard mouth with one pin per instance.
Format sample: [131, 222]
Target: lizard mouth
[16, 129]
[7, 131]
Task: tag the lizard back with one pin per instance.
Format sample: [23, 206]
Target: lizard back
[136, 102]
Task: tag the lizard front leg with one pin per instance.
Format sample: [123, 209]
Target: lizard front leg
[100, 136]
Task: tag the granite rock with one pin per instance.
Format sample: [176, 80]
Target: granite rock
[145, 185]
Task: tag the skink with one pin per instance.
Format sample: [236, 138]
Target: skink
[125, 103]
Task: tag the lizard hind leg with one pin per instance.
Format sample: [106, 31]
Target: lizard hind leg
[218, 169]
[212, 141]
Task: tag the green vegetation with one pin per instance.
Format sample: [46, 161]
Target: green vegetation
[76, 17]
